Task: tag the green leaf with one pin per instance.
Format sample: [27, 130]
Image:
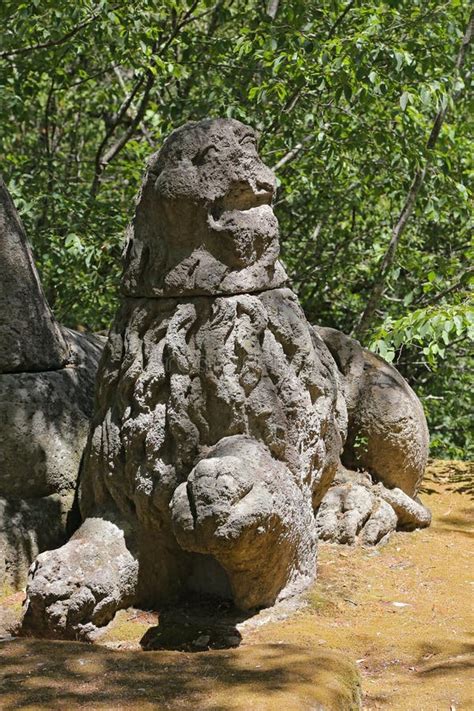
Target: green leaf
[404, 100]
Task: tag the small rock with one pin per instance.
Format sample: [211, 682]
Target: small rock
[202, 641]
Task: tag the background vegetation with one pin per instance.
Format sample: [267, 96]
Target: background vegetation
[364, 114]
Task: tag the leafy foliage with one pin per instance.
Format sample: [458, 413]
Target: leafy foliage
[344, 95]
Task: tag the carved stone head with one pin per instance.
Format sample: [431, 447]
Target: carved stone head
[204, 222]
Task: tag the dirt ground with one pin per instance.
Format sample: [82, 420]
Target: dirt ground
[399, 614]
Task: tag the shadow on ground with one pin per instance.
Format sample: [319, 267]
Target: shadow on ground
[195, 628]
[49, 675]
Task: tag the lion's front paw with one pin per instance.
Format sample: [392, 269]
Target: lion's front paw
[75, 589]
[242, 507]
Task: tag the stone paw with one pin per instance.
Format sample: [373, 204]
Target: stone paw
[410, 511]
[75, 589]
[242, 507]
[351, 513]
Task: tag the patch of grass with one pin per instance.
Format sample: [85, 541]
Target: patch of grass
[320, 600]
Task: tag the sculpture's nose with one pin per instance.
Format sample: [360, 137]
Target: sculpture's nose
[245, 194]
[265, 190]
[265, 179]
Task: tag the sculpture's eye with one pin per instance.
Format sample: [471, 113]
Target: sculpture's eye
[248, 140]
[204, 154]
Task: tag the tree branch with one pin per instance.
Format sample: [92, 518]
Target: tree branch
[291, 155]
[457, 284]
[103, 155]
[341, 17]
[272, 8]
[368, 314]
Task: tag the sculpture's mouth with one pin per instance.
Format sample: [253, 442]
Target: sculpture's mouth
[242, 197]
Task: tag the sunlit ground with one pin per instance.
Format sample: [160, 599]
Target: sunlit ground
[399, 614]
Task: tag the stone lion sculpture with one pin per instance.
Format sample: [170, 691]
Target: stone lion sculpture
[220, 414]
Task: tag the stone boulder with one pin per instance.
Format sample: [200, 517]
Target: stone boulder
[47, 378]
[387, 431]
[221, 414]
[385, 453]
[356, 510]
[219, 420]
[31, 339]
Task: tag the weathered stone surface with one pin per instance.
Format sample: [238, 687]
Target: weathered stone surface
[27, 527]
[30, 338]
[355, 510]
[387, 438]
[221, 414]
[44, 423]
[387, 430]
[47, 378]
[180, 376]
[45, 420]
[246, 510]
[219, 420]
[410, 511]
[82, 584]
[203, 222]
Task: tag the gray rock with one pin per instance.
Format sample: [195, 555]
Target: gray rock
[47, 378]
[410, 511]
[387, 431]
[387, 438]
[44, 424]
[178, 378]
[219, 419]
[45, 420]
[31, 339]
[80, 586]
[245, 508]
[355, 510]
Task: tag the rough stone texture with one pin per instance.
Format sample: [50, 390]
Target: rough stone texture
[246, 510]
[47, 378]
[221, 414]
[77, 587]
[31, 339]
[355, 510]
[410, 511]
[219, 421]
[178, 378]
[44, 423]
[387, 430]
[45, 420]
[228, 242]
[387, 438]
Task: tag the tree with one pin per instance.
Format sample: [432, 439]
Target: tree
[344, 95]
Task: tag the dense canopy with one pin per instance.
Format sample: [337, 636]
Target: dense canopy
[363, 112]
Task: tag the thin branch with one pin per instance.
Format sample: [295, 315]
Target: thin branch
[291, 155]
[123, 140]
[297, 93]
[454, 287]
[104, 157]
[132, 105]
[53, 43]
[341, 17]
[272, 8]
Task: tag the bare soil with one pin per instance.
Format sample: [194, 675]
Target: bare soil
[399, 614]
